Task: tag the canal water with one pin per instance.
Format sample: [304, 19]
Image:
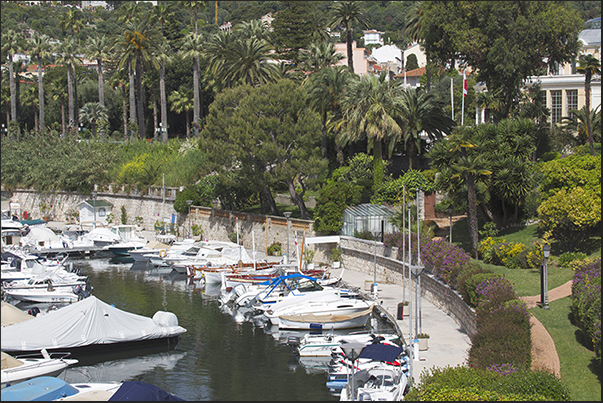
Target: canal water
[216, 359]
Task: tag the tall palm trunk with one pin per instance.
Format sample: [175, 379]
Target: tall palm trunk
[70, 104]
[154, 96]
[142, 125]
[13, 90]
[378, 173]
[132, 100]
[164, 120]
[196, 95]
[589, 127]
[41, 95]
[323, 129]
[472, 212]
[63, 116]
[348, 39]
[124, 111]
[101, 90]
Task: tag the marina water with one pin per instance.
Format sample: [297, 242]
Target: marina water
[216, 359]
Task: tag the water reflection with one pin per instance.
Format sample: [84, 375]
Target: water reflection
[216, 359]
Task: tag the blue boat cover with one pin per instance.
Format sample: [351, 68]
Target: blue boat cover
[381, 352]
[42, 388]
[141, 391]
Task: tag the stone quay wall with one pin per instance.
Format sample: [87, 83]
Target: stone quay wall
[359, 255]
[259, 231]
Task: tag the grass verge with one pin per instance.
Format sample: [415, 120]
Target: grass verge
[578, 371]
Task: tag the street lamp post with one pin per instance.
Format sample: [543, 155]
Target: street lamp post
[189, 202]
[287, 214]
[546, 251]
[94, 206]
[352, 351]
[450, 210]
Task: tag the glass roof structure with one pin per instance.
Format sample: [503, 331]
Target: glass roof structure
[367, 217]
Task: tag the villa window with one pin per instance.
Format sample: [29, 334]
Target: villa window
[102, 212]
[572, 101]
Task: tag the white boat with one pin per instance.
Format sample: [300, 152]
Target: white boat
[19, 368]
[130, 238]
[49, 388]
[104, 328]
[43, 239]
[323, 345]
[143, 254]
[48, 294]
[156, 257]
[331, 320]
[378, 383]
[100, 237]
[328, 300]
[208, 253]
[20, 265]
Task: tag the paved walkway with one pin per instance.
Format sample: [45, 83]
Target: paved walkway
[448, 343]
[544, 352]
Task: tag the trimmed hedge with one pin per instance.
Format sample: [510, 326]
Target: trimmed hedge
[467, 383]
[586, 303]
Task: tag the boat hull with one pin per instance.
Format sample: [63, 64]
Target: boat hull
[325, 321]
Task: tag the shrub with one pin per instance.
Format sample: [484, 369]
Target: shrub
[468, 384]
[470, 296]
[465, 274]
[447, 259]
[274, 249]
[567, 258]
[586, 303]
[494, 292]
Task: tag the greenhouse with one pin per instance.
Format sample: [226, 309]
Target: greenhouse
[367, 217]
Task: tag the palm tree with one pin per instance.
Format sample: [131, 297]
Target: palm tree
[252, 29]
[137, 51]
[216, 53]
[29, 97]
[12, 42]
[369, 110]
[589, 66]
[118, 83]
[418, 113]
[71, 20]
[40, 48]
[347, 13]
[249, 62]
[193, 48]
[576, 122]
[57, 91]
[93, 113]
[162, 14]
[163, 54]
[319, 56]
[193, 6]
[325, 90]
[182, 101]
[99, 48]
[67, 51]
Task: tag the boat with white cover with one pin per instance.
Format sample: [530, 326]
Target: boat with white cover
[88, 326]
[333, 319]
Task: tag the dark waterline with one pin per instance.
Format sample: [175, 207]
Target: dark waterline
[216, 359]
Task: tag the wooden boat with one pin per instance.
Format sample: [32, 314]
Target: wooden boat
[325, 321]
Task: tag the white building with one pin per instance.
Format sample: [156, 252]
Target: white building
[373, 37]
[94, 211]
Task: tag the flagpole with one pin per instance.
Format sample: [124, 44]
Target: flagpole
[404, 78]
[452, 97]
[463, 101]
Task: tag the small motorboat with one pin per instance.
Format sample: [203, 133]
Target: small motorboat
[19, 368]
[334, 320]
[323, 345]
[48, 294]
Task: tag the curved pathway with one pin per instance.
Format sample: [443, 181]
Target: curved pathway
[544, 353]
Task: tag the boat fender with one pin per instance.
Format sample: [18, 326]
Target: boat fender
[162, 253]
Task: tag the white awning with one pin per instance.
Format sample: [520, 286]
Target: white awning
[322, 239]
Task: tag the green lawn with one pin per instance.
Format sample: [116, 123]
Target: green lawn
[578, 370]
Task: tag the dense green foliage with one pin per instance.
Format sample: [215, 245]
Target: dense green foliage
[586, 303]
[506, 383]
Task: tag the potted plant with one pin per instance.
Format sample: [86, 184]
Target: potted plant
[423, 341]
[308, 257]
[336, 257]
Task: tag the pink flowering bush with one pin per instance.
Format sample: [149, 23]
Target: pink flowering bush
[586, 302]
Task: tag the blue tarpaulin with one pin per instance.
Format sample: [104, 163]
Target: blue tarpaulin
[141, 391]
[381, 352]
